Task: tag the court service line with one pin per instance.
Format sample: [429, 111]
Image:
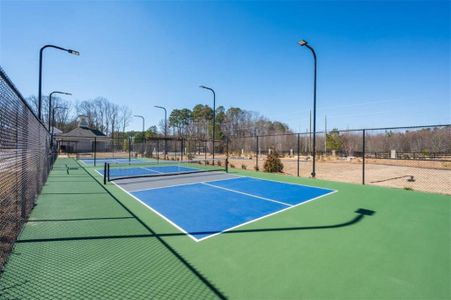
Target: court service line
[246, 194]
[263, 217]
[152, 170]
[285, 182]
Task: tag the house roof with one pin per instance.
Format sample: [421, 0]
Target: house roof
[83, 132]
[55, 131]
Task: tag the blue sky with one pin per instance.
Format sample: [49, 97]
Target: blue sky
[379, 63]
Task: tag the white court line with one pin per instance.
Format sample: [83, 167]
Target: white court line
[156, 212]
[181, 184]
[262, 217]
[152, 170]
[230, 228]
[290, 183]
[243, 193]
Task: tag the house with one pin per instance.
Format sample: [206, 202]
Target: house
[82, 139]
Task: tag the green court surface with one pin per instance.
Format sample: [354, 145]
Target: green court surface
[84, 241]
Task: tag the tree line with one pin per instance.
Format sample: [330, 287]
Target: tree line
[113, 119]
[101, 113]
[230, 122]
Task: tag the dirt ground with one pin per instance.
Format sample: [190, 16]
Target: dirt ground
[428, 176]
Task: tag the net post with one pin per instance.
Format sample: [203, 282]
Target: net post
[95, 151]
[298, 148]
[108, 171]
[363, 156]
[104, 172]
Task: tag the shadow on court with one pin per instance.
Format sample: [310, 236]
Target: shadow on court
[361, 213]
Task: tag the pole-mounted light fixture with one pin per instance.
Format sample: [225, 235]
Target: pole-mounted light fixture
[214, 116]
[304, 43]
[165, 128]
[50, 102]
[70, 51]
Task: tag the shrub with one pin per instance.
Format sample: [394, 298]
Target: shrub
[243, 166]
[256, 168]
[273, 163]
[232, 165]
[219, 163]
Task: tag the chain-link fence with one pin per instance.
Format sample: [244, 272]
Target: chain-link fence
[417, 158]
[340, 156]
[97, 149]
[25, 161]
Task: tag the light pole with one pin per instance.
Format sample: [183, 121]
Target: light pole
[53, 122]
[214, 117]
[165, 128]
[50, 101]
[143, 132]
[40, 73]
[305, 44]
[144, 123]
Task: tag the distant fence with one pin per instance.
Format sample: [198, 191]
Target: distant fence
[170, 148]
[415, 157]
[25, 161]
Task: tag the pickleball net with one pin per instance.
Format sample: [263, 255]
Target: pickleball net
[160, 168]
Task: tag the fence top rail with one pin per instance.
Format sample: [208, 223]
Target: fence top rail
[19, 95]
[343, 130]
[107, 138]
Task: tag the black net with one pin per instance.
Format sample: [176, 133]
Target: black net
[25, 161]
[159, 168]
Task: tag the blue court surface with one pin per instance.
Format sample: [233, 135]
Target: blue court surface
[205, 209]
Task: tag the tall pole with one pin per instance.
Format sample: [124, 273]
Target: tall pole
[53, 122]
[165, 127]
[325, 134]
[214, 118]
[70, 51]
[304, 43]
[143, 131]
[144, 123]
[310, 131]
[50, 103]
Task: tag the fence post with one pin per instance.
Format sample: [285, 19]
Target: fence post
[158, 150]
[95, 151]
[181, 149]
[129, 149]
[227, 155]
[363, 157]
[256, 154]
[298, 148]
